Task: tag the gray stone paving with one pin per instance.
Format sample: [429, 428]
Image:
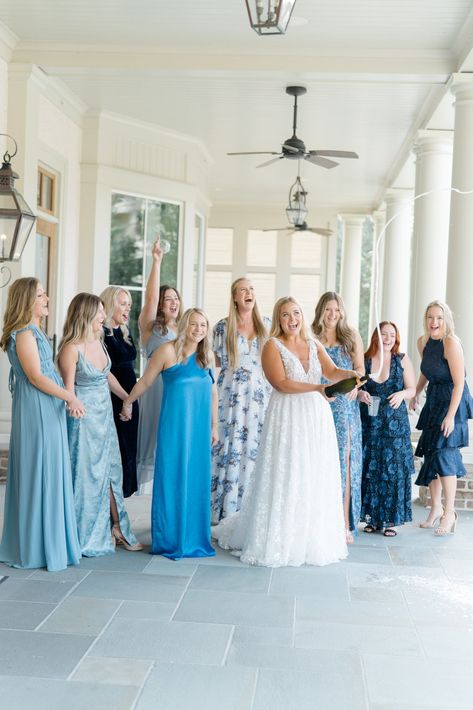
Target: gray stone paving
[389, 628]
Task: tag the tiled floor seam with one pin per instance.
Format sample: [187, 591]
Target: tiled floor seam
[74, 586]
[104, 628]
[227, 648]
[183, 593]
[365, 682]
[139, 693]
[255, 685]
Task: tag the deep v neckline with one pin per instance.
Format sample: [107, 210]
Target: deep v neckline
[306, 372]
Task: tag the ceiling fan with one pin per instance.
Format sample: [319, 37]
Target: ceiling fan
[297, 212]
[294, 149]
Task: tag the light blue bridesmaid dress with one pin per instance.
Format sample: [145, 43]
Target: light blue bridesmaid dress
[39, 527]
[96, 462]
[180, 515]
[150, 407]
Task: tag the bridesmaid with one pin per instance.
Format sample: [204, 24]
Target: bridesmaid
[388, 462]
[96, 465]
[344, 346]
[39, 528]
[180, 517]
[158, 324]
[243, 398]
[122, 352]
[444, 416]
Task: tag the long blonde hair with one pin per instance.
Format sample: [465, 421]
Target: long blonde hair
[204, 349]
[448, 324]
[109, 298]
[345, 334]
[80, 314]
[19, 308]
[232, 326]
[276, 330]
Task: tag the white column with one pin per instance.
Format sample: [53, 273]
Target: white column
[433, 151]
[460, 250]
[351, 265]
[379, 221]
[397, 260]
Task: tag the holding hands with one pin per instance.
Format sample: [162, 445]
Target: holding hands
[126, 413]
[75, 408]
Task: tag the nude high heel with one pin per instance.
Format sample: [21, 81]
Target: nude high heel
[119, 539]
[443, 528]
[424, 524]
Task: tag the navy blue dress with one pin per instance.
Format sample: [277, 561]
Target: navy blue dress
[123, 356]
[388, 462]
[441, 454]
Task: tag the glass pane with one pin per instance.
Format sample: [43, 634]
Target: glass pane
[127, 242]
[265, 289]
[163, 219]
[47, 187]
[305, 251]
[217, 294]
[306, 289]
[136, 302]
[42, 260]
[262, 248]
[219, 247]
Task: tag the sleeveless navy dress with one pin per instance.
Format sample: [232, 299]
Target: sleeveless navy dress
[441, 454]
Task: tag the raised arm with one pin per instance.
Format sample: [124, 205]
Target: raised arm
[454, 356]
[148, 312]
[163, 357]
[276, 375]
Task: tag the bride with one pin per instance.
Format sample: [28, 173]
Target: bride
[292, 512]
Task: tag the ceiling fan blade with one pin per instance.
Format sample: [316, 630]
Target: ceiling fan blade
[257, 152]
[320, 230]
[268, 162]
[334, 153]
[290, 148]
[323, 162]
[278, 229]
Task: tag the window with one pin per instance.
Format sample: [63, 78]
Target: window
[262, 248]
[265, 290]
[219, 274]
[135, 222]
[46, 191]
[46, 233]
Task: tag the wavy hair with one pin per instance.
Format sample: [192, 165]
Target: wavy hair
[80, 314]
[19, 308]
[109, 298]
[345, 334]
[448, 323]
[373, 347]
[204, 350]
[232, 325]
[276, 330]
[160, 321]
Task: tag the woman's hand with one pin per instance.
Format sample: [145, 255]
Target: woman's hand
[414, 403]
[321, 390]
[352, 396]
[364, 396]
[396, 398]
[214, 436]
[75, 408]
[156, 251]
[448, 425]
[127, 412]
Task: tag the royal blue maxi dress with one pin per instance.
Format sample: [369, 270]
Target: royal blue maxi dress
[180, 513]
[441, 454]
[39, 528]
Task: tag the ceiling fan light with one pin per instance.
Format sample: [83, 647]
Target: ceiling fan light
[270, 17]
[296, 212]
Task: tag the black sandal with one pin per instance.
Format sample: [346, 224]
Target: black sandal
[389, 532]
[369, 528]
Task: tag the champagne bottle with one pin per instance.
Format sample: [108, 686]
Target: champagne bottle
[345, 386]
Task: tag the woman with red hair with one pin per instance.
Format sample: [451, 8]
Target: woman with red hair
[388, 462]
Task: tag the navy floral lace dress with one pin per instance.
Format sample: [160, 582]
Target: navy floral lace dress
[388, 462]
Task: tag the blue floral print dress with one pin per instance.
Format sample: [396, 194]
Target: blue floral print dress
[243, 395]
[388, 461]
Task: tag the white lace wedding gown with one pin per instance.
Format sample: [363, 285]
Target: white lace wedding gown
[292, 510]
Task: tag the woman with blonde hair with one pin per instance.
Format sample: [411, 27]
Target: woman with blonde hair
[292, 511]
[243, 397]
[102, 519]
[444, 416]
[158, 324]
[121, 348]
[343, 344]
[39, 528]
[180, 515]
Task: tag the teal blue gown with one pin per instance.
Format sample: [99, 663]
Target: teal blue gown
[96, 462]
[39, 527]
[180, 514]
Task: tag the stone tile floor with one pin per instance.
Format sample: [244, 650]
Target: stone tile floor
[391, 628]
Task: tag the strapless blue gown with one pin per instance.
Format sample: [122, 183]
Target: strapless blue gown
[39, 528]
[180, 515]
[96, 462]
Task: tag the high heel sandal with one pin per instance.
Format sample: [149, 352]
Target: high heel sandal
[424, 524]
[444, 529]
[119, 539]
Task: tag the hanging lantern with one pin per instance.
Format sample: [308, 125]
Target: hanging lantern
[270, 17]
[296, 210]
